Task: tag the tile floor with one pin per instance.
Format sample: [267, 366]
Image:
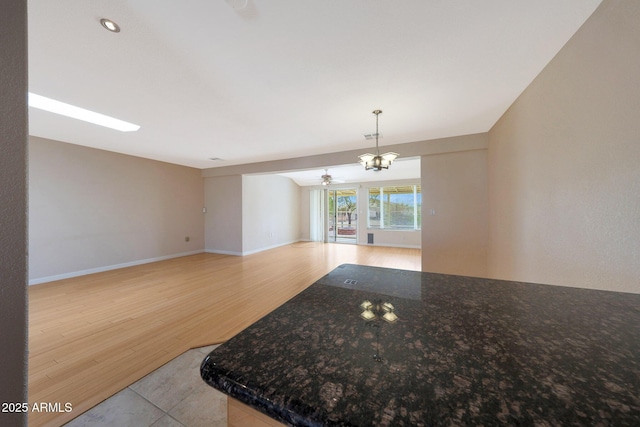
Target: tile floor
[171, 396]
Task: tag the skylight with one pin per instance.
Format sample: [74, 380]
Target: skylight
[57, 107]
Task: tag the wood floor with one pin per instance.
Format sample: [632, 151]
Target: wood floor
[91, 336]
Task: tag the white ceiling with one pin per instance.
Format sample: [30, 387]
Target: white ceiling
[278, 79]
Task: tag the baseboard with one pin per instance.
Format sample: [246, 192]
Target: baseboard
[108, 268]
[251, 252]
[216, 251]
[389, 245]
[255, 251]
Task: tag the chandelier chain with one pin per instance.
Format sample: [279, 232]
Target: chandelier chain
[377, 113]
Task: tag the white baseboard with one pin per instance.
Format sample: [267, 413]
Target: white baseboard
[254, 251]
[216, 251]
[107, 268]
[389, 245]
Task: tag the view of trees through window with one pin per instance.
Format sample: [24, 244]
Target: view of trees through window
[395, 207]
[343, 215]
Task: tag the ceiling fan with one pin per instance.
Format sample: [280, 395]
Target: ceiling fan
[327, 179]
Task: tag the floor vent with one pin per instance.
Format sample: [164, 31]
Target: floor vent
[350, 282]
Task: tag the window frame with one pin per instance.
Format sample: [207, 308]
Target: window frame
[380, 208]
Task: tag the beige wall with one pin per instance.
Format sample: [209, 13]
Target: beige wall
[92, 210]
[13, 209]
[304, 204]
[564, 163]
[455, 213]
[223, 220]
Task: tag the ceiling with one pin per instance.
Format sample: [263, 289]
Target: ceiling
[259, 80]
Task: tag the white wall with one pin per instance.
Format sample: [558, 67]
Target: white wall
[92, 210]
[564, 163]
[271, 214]
[455, 238]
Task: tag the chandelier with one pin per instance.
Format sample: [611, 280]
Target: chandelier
[377, 162]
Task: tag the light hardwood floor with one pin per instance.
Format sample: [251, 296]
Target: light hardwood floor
[91, 336]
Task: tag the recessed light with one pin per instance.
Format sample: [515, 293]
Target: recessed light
[110, 25]
[57, 107]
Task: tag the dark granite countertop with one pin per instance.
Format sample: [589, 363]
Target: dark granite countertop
[463, 351]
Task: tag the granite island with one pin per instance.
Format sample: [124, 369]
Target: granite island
[461, 351]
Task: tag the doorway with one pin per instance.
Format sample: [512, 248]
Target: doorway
[343, 215]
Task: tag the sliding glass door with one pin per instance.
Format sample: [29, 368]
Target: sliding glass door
[343, 215]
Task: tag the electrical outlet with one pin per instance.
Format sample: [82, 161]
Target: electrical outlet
[186, 239]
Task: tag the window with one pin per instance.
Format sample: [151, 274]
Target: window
[397, 207]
